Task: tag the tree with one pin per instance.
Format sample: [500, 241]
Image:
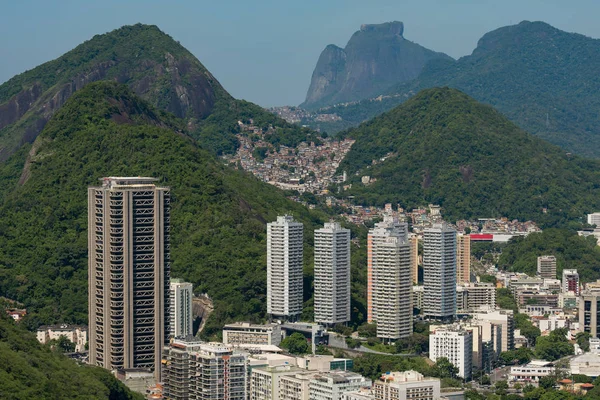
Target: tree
[62, 344]
[554, 346]
[583, 340]
[547, 382]
[443, 368]
[501, 387]
[367, 330]
[295, 344]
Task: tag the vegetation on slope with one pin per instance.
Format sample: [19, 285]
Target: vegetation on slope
[543, 79]
[155, 67]
[443, 147]
[218, 215]
[571, 251]
[29, 370]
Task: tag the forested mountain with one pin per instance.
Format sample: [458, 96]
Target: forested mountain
[29, 370]
[443, 147]
[153, 65]
[218, 217]
[376, 58]
[543, 79]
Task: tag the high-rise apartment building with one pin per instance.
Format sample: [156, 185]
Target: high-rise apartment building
[439, 272]
[284, 268]
[392, 284]
[181, 296]
[463, 259]
[589, 313]
[129, 270]
[332, 274]
[414, 257]
[389, 227]
[473, 295]
[406, 385]
[546, 267]
[202, 371]
[570, 281]
[454, 343]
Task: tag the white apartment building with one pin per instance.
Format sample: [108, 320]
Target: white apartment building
[284, 268]
[546, 267]
[75, 334]
[532, 372]
[392, 284]
[503, 318]
[454, 343]
[331, 385]
[389, 227]
[332, 274]
[439, 272]
[181, 308]
[570, 281]
[406, 385]
[361, 394]
[240, 333]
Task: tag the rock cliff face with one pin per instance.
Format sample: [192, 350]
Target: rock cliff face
[150, 62]
[376, 58]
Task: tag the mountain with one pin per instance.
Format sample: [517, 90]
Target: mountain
[543, 79]
[376, 58]
[445, 148]
[29, 370]
[218, 215]
[153, 65]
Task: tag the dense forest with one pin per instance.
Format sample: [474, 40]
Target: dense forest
[29, 370]
[218, 217]
[443, 147]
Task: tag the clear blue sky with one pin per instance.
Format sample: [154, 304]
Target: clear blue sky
[264, 51]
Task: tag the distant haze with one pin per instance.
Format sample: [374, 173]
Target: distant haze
[265, 51]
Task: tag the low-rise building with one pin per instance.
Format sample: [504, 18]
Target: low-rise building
[295, 387]
[406, 385]
[265, 382]
[331, 385]
[324, 363]
[246, 333]
[531, 372]
[75, 334]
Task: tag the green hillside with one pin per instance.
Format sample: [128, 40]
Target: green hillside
[443, 147]
[218, 217]
[29, 370]
[543, 79]
[154, 66]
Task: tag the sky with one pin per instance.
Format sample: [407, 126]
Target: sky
[265, 51]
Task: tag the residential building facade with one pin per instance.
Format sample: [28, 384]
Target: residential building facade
[570, 281]
[332, 274]
[546, 267]
[240, 333]
[454, 343]
[439, 272]
[463, 259]
[331, 385]
[284, 268]
[129, 273]
[406, 385]
[181, 296]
